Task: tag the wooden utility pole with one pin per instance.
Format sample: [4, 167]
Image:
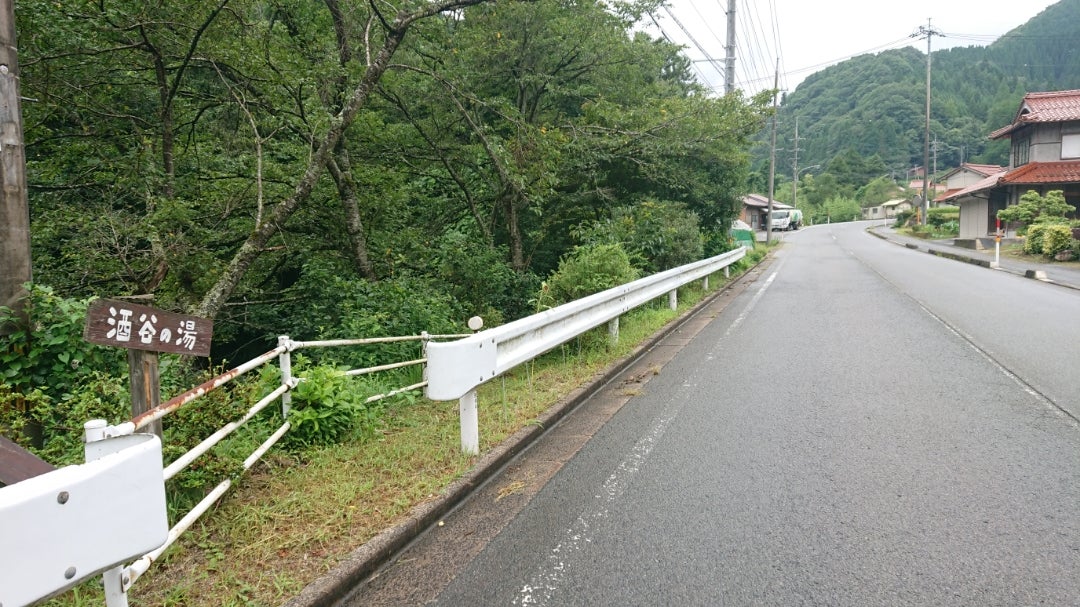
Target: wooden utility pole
[14, 209]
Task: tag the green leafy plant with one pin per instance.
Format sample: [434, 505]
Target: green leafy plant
[51, 353]
[587, 270]
[327, 406]
[1056, 238]
[1033, 239]
[1035, 208]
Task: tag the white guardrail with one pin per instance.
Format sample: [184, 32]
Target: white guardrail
[65, 526]
[455, 369]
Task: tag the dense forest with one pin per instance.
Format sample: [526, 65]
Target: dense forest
[325, 168]
[328, 168]
[874, 106]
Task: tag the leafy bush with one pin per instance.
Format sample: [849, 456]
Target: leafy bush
[51, 354]
[902, 218]
[587, 270]
[338, 307]
[939, 217]
[1033, 240]
[655, 235]
[478, 277]
[328, 407]
[1034, 208]
[1055, 239]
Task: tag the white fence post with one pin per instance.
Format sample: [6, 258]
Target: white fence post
[673, 299]
[113, 579]
[727, 272]
[705, 284]
[470, 424]
[613, 330]
[285, 362]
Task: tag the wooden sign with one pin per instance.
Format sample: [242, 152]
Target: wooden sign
[126, 325]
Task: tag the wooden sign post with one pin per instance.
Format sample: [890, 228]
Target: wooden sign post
[145, 332]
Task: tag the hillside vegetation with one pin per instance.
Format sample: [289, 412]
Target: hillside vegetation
[873, 106]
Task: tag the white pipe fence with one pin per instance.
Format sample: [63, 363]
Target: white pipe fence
[452, 370]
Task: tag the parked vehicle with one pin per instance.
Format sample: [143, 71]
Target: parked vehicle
[786, 219]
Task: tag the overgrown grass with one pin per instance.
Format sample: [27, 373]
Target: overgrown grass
[294, 517]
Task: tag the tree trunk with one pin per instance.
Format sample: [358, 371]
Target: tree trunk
[219, 294]
[341, 171]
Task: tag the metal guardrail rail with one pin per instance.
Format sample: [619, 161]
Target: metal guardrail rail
[85, 506]
[455, 369]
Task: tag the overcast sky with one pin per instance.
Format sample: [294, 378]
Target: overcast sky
[809, 36]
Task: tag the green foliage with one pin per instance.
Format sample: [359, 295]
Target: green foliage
[173, 134]
[1033, 239]
[480, 280]
[656, 235]
[1056, 238]
[1035, 208]
[51, 354]
[880, 189]
[329, 407]
[939, 217]
[838, 209]
[586, 270]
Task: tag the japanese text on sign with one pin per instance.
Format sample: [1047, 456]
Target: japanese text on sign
[127, 325]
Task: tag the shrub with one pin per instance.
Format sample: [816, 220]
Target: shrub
[51, 354]
[478, 276]
[337, 306]
[329, 407]
[1033, 240]
[656, 235]
[940, 216]
[1034, 208]
[1055, 238]
[584, 271]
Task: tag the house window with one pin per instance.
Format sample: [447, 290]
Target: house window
[1020, 150]
[1070, 146]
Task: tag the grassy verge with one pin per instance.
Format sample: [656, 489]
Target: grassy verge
[293, 518]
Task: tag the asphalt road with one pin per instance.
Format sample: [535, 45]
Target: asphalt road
[862, 425]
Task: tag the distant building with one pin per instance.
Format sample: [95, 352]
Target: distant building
[1044, 156]
[755, 210]
[887, 210]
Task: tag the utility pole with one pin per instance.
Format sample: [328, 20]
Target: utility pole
[14, 208]
[795, 169]
[929, 32]
[772, 156]
[729, 60]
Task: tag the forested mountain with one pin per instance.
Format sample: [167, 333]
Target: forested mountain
[320, 167]
[875, 104]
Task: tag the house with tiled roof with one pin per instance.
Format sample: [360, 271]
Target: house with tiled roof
[1044, 155]
[755, 210]
[963, 176]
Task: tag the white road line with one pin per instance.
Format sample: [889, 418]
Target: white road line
[540, 589]
[750, 307]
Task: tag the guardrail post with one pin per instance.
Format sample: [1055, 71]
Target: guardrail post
[470, 424]
[113, 579]
[673, 299]
[613, 330]
[285, 362]
[705, 284]
[727, 272]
